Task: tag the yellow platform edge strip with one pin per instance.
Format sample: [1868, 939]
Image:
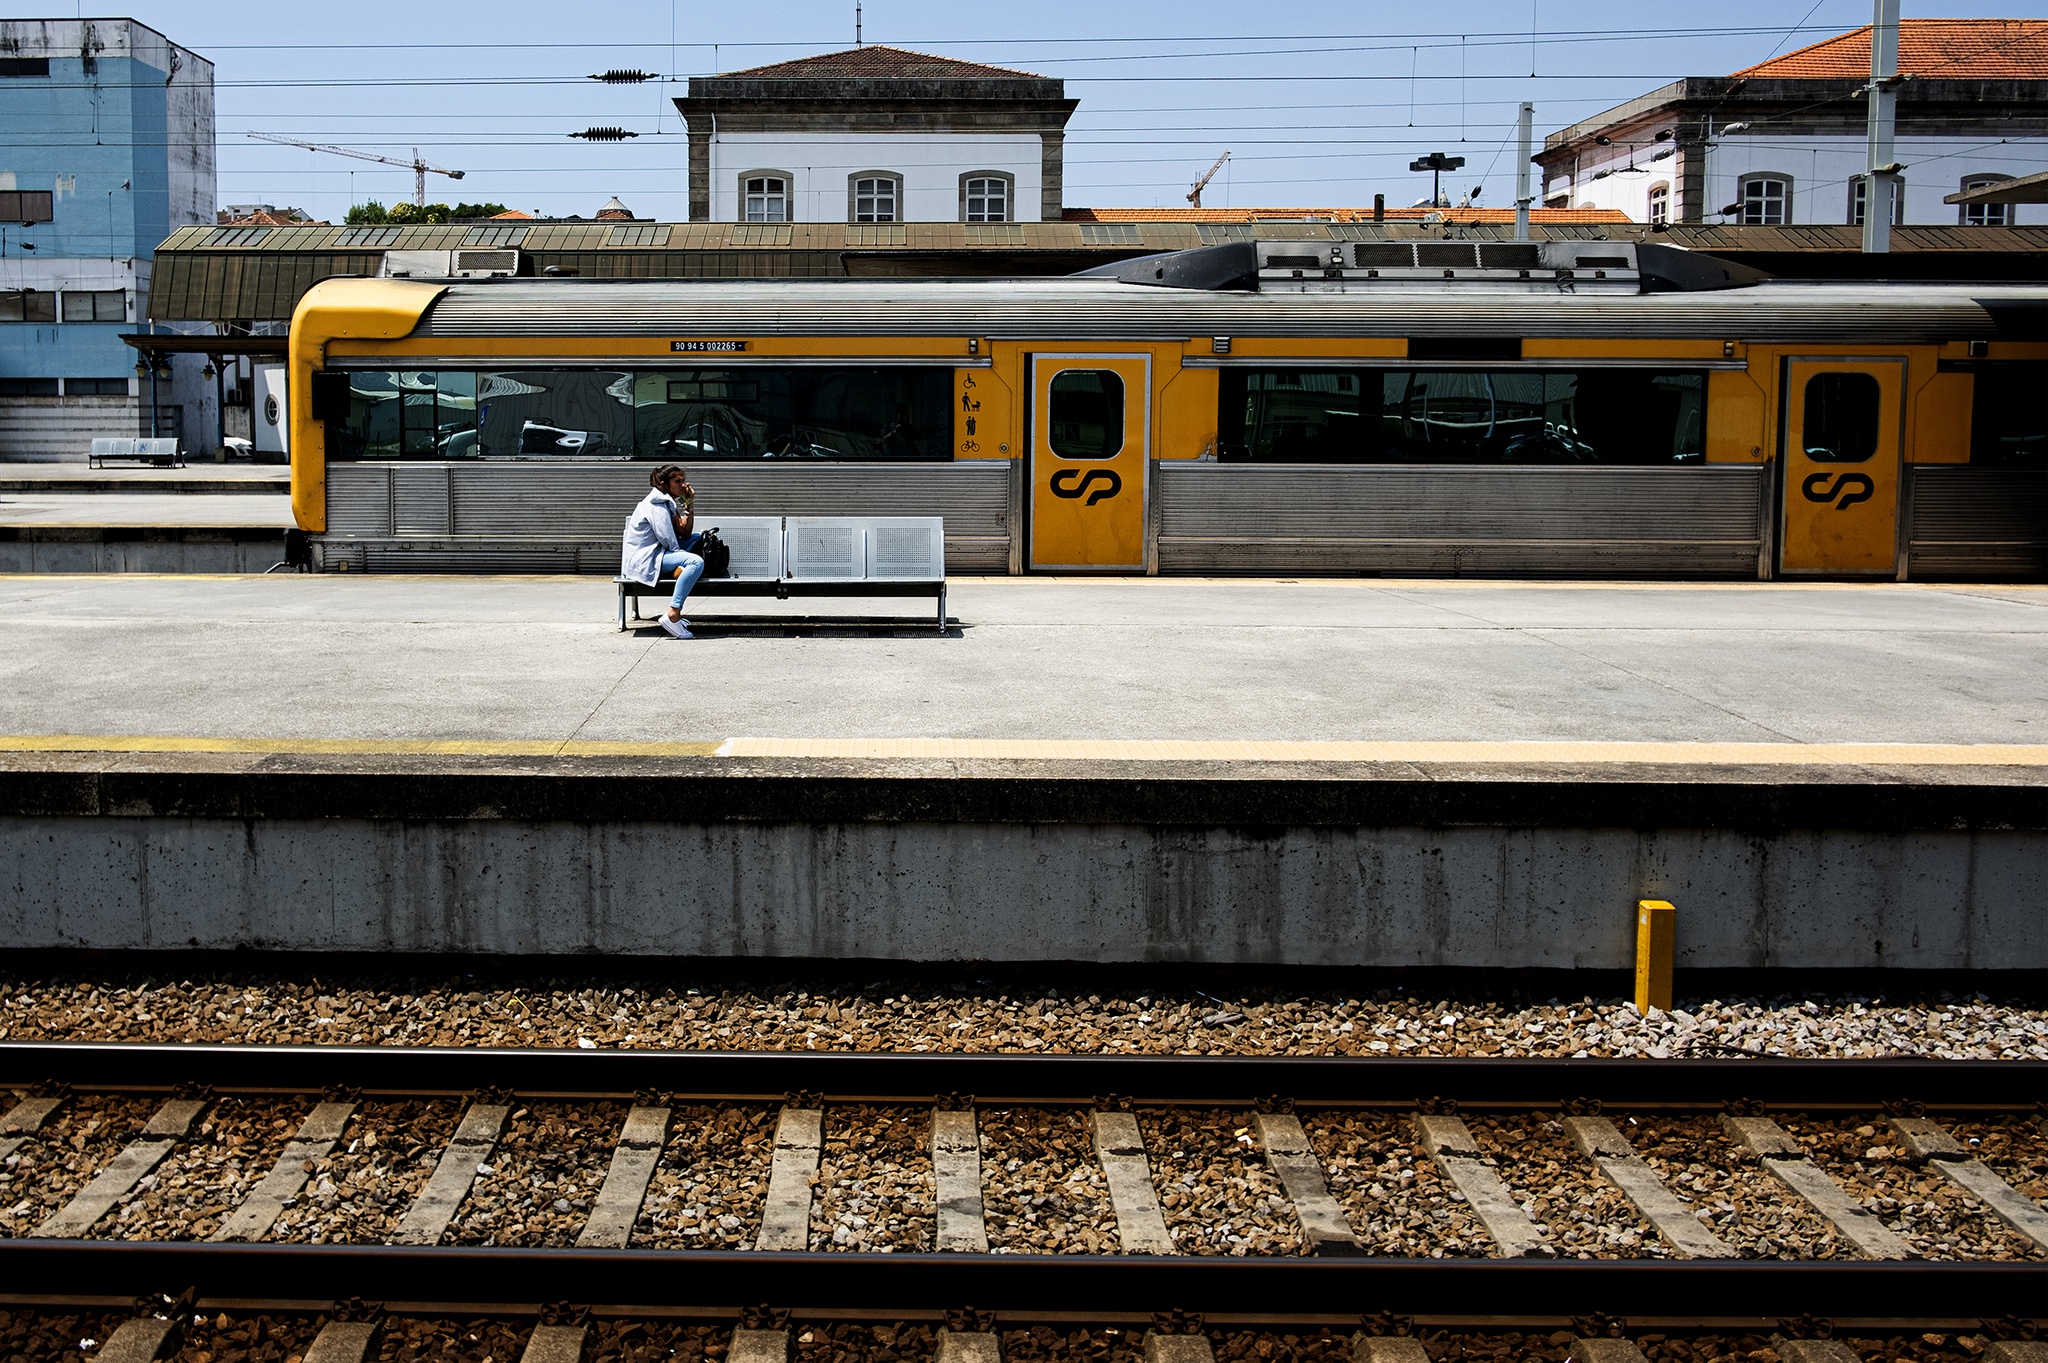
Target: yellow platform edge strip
[344, 747]
[1113, 750]
[1263, 750]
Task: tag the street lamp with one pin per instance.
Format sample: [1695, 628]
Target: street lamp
[1436, 163]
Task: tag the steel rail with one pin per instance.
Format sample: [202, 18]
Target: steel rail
[843, 1076]
[1080, 1286]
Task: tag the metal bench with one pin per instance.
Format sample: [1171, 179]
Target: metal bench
[786, 556]
[161, 451]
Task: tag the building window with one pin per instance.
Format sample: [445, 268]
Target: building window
[96, 388]
[27, 205]
[1859, 195]
[1764, 200]
[18, 67]
[95, 305]
[1984, 215]
[28, 388]
[987, 196]
[28, 305]
[1660, 202]
[874, 196]
[764, 196]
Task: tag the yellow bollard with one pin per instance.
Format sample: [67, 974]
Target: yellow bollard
[1655, 919]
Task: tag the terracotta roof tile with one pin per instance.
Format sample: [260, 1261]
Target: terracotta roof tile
[1947, 49]
[871, 63]
[1537, 215]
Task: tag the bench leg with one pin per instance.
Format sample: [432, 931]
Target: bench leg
[622, 610]
[942, 608]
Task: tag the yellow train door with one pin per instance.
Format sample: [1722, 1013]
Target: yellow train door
[1090, 455]
[1840, 446]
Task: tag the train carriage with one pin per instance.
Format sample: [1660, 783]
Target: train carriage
[1591, 409]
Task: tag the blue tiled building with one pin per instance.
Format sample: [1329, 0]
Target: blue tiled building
[106, 146]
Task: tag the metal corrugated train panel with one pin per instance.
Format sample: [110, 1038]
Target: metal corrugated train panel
[520, 513]
[1281, 518]
[1084, 309]
[1977, 522]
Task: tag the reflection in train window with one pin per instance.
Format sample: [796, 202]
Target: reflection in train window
[807, 412]
[2009, 415]
[1085, 416]
[555, 413]
[802, 412]
[1840, 422]
[408, 414]
[1462, 416]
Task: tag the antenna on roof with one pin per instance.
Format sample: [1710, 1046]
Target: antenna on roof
[856, 23]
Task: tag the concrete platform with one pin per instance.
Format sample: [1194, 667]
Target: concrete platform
[1416, 775]
[198, 477]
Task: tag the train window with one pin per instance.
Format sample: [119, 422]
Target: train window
[1464, 416]
[2008, 418]
[1085, 419]
[555, 413]
[801, 412]
[1840, 423]
[406, 414]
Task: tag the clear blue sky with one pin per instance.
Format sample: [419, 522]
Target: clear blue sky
[1321, 104]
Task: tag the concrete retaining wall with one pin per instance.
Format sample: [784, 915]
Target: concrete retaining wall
[718, 857]
[69, 549]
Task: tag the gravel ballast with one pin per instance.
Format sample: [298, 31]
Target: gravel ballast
[1396, 1199]
[874, 1189]
[1938, 1219]
[1581, 1214]
[1214, 1187]
[208, 1174]
[30, 1336]
[360, 1193]
[537, 1186]
[708, 1190]
[79, 1140]
[1753, 1213]
[1042, 1189]
[980, 1018]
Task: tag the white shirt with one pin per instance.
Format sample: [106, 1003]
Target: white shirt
[650, 531]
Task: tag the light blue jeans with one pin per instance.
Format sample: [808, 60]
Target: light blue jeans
[687, 567]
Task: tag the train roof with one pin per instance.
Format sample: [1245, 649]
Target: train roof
[1096, 309]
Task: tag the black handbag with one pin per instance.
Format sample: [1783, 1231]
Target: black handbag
[716, 553]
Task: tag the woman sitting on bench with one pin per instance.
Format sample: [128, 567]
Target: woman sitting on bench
[659, 541]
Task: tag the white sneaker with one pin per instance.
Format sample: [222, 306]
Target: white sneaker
[679, 628]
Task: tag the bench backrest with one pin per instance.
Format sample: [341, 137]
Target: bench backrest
[834, 548]
[126, 447]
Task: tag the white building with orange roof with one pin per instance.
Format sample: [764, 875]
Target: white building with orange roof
[876, 135]
[1782, 142]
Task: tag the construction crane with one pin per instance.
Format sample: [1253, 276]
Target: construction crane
[1195, 194]
[419, 167]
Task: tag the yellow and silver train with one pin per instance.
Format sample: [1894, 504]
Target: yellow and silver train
[1400, 408]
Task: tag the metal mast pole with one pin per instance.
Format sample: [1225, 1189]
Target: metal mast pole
[419, 180]
[1522, 200]
[1881, 178]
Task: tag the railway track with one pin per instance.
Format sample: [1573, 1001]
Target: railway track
[143, 1118]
